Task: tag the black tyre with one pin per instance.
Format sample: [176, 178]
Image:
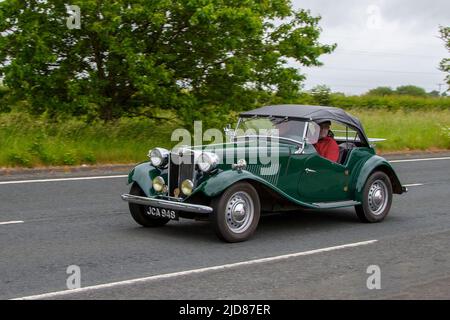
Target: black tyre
[236, 213]
[377, 198]
[139, 212]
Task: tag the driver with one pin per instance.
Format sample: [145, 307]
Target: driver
[326, 146]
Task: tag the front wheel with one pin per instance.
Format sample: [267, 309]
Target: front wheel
[139, 212]
[377, 198]
[236, 213]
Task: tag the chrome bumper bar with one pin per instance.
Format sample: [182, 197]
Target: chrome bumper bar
[188, 207]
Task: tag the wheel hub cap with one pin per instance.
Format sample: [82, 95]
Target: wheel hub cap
[239, 212]
[377, 197]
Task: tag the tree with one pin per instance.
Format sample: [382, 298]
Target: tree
[445, 63]
[411, 90]
[321, 95]
[381, 91]
[434, 93]
[158, 54]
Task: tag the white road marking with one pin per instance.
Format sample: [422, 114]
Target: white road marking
[124, 176]
[416, 160]
[193, 271]
[413, 185]
[63, 179]
[11, 222]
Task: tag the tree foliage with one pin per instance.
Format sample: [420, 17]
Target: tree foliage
[445, 63]
[321, 95]
[407, 90]
[410, 90]
[434, 93]
[132, 57]
[381, 91]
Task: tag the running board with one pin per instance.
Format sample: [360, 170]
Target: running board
[338, 204]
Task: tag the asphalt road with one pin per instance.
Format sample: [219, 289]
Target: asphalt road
[47, 226]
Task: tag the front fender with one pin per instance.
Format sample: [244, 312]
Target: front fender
[217, 184]
[143, 174]
[372, 164]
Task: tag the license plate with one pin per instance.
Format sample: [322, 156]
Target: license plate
[162, 213]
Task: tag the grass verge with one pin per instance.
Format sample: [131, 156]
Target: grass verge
[27, 141]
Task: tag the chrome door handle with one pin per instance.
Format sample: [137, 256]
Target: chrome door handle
[307, 170]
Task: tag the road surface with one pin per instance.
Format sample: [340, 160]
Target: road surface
[49, 225]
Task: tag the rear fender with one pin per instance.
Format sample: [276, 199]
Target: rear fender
[376, 163]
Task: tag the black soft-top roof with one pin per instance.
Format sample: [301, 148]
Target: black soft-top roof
[314, 113]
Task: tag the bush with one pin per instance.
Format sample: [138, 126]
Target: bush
[18, 159]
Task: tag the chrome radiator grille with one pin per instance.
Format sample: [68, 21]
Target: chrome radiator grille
[178, 172]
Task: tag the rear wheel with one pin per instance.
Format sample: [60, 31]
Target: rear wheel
[139, 212]
[236, 213]
[377, 198]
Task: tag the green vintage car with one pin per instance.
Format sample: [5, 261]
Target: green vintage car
[269, 163]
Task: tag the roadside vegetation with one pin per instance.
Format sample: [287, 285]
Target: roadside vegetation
[113, 87]
[28, 141]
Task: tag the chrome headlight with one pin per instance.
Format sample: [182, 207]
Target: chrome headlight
[158, 184]
[187, 186]
[207, 161]
[158, 157]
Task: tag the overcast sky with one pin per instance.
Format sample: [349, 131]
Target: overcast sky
[380, 43]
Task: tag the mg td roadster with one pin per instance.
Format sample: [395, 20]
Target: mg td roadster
[199, 183]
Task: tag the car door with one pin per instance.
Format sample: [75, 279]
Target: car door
[322, 180]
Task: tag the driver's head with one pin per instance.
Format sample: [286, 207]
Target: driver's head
[324, 129]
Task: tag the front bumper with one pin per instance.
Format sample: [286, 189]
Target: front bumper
[167, 204]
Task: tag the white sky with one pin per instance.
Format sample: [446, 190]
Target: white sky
[380, 43]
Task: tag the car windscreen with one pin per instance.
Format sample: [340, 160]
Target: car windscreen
[271, 126]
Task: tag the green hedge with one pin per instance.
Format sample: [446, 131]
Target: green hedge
[392, 103]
